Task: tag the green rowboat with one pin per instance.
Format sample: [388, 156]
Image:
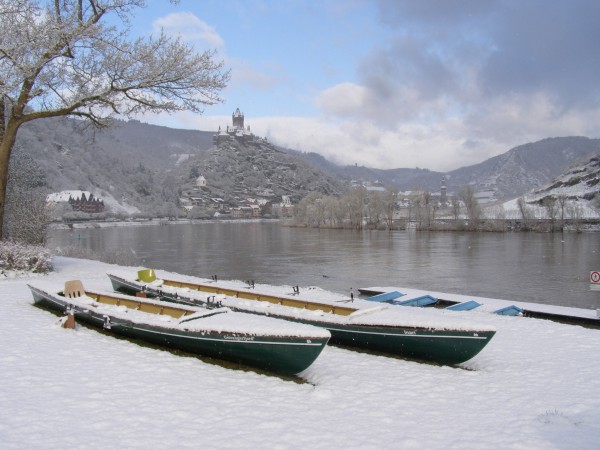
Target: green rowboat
[268, 344]
[431, 336]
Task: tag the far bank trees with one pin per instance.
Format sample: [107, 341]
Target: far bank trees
[418, 209]
[355, 210]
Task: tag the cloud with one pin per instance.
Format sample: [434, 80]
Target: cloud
[453, 84]
[344, 100]
[459, 82]
[442, 146]
[510, 46]
[190, 28]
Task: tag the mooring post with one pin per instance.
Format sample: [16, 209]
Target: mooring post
[70, 322]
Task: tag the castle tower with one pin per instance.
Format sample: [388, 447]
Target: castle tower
[238, 119]
[443, 191]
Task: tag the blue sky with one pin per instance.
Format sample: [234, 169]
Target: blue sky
[435, 84]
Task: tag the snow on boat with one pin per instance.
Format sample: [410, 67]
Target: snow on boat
[429, 335]
[428, 300]
[464, 306]
[274, 345]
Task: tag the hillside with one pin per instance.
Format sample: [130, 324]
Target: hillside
[136, 167]
[141, 168]
[580, 182]
[509, 175]
[578, 189]
[235, 171]
[129, 164]
[525, 167]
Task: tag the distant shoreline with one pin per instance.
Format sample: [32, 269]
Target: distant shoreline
[593, 228]
[149, 222]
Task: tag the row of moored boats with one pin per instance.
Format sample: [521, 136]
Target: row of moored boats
[278, 333]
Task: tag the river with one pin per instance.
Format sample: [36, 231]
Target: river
[532, 267]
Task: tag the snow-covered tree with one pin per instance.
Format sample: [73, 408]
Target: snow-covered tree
[67, 58]
[390, 199]
[474, 212]
[551, 206]
[526, 212]
[27, 214]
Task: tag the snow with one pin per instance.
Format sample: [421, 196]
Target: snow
[488, 304]
[63, 196]
[109, 201]
[118, 207]
[385, 315]
[512, 211]
[231, 322]
[535, 386]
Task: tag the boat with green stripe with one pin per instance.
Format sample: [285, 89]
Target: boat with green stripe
[431, 336]
[268, 344]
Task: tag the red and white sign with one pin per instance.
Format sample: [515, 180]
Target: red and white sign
[595, 277]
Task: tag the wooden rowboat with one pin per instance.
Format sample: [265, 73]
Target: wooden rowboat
[421, 335]
[269, 344]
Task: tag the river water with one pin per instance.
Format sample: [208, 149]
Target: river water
[532, 267]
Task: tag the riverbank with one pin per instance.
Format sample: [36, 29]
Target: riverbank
[532, 387]
[146, 222]
[592, 226]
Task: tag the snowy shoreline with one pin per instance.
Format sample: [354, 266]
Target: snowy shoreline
[533, 387]
[149, 222]
[161, 222]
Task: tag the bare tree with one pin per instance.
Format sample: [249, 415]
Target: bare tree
[390, 200]
[355, 203]
[417, 208]
[375, 207]
[576, 214]
[65, 58]
[551, 206]
[562, 203]
[467, 195]
[455, 206]
[526, 213]
[308, 211]
[338, 211]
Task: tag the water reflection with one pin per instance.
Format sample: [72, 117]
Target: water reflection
[547, 268]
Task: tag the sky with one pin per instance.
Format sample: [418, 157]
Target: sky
[433, 84]
[62, 388]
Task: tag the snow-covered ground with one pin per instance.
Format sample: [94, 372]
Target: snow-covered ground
[535, 386]
[510, 210]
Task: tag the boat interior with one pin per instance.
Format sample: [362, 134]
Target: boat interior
[74, 289]
[148, 276]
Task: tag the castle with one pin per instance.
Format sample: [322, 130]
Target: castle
[236, 131]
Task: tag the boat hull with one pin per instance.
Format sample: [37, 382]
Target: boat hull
[442, 347]
[286, 355]
[447, 347]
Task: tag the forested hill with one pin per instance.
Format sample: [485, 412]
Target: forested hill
[509, 175]
[140, 167]
[128, 164]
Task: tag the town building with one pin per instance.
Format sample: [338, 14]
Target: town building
[201, 182]
[83, 201]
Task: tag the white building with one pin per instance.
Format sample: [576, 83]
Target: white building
[200, 181]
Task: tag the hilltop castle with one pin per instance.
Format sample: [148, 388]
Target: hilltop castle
[236, 131]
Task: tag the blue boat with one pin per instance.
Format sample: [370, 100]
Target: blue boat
[464, 306]
[386, 296]
[511, 310]
[390, 297]
[424, 300]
